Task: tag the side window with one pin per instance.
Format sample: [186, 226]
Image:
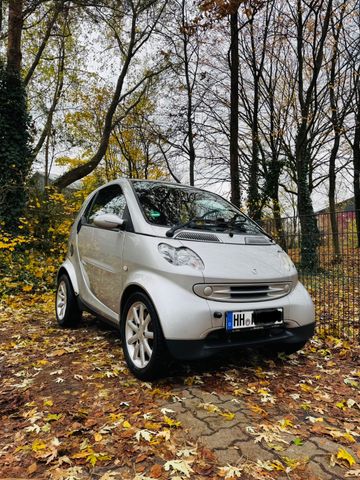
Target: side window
[108, 200]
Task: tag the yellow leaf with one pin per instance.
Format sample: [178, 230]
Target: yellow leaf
[58, 353]
[305, 388]
[53, 417]
[27, 288]
[345, 455]
[285, 422]
[116, 417]
[228, 415]
[171, 422]
[258, 410]
[38, 445]
[348, 437]
[341, 405]
[277, 465]
[98, 437]
[239, 391]
[126, 424]
[152, 426]
[48, 403]
[83, 454]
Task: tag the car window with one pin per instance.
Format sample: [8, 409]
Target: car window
[171, 204]
[108, 200]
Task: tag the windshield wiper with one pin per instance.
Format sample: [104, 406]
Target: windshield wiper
[234, 221]
[178, 226]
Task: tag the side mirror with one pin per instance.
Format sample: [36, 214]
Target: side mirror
[109, 221]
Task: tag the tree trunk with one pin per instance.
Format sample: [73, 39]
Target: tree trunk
[337, 121]
[85, 169]
[138, 38]
[1, 16]
[57, 95]
[14, 36]
[254, 200]
[332, 199]
[189, 89]
[43, 44]
[356, 163]
[281, 238]
[234, 110]
[310, 235]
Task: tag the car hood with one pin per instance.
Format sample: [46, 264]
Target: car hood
[228, 263]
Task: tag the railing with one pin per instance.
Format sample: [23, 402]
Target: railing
[335, 283]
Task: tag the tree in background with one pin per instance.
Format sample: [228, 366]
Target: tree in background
[311, 25]
[15, 139]
[141, 18]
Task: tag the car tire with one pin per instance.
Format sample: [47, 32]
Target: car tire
[68, 313]
[142, 338]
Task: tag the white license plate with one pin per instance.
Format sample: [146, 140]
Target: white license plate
[238, 320]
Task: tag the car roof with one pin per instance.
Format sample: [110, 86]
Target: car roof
[165, 182]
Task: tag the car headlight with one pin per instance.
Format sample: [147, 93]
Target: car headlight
[286, 261]
[180, 256]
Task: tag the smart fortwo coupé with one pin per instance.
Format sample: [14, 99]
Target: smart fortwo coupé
[179, 271]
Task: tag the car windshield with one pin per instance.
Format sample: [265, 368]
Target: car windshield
[169, 205]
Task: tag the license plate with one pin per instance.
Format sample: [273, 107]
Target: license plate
[238, 320]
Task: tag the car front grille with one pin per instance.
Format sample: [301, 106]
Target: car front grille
[197, 237]
[242, 292]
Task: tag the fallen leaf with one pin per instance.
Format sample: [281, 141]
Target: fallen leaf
[181, 466]
[352, 474]
[156, 471]
[345, 455]
[32, 468]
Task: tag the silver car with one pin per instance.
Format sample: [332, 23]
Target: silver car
[182, 273]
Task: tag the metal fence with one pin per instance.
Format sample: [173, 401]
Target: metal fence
[335, 284]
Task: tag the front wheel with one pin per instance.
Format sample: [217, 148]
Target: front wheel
[67, 310]
[142, 338]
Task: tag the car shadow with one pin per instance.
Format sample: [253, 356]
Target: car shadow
[176, 371]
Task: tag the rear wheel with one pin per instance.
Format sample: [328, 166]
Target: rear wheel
[67, 310]
[142, 338]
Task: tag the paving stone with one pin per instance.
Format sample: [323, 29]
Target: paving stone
[196, 427]
[326, 444]
[218, 440]
[252, 451]
[307, 449]
[315, 468]
[232, 444]
[230, 455]
[207, 397]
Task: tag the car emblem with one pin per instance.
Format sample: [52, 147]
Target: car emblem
[254, 271]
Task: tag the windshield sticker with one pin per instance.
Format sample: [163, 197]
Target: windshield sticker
[154, 214]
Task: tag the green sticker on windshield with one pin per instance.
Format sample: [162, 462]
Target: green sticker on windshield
[154, 214]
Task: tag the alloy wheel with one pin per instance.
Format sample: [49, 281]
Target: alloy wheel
[61, 300]
[139, 334]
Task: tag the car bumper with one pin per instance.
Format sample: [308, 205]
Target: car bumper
[220, 341]
[185, 316]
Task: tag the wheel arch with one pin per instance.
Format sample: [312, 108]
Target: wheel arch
[136, 288]
[68, 269]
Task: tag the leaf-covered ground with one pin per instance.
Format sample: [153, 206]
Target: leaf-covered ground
[71, 410]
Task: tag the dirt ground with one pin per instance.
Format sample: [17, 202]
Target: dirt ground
[71, 410]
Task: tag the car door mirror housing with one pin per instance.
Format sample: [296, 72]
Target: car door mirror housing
[109, 221]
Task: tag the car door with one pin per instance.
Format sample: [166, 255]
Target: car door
[101, 250]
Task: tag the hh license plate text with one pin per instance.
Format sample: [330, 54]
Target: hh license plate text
[237, 320]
